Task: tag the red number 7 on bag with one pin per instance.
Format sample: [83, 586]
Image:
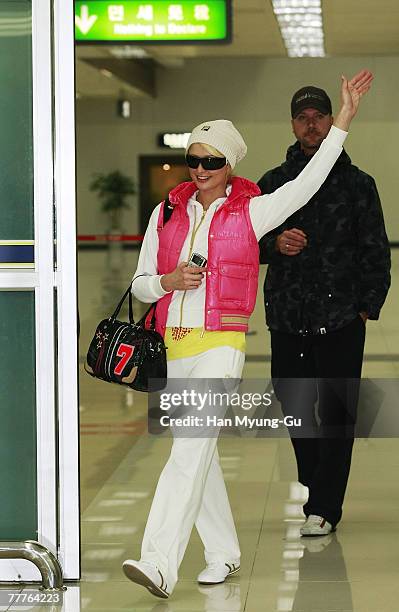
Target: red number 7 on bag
[125, 351]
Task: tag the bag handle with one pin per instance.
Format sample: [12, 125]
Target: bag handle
[119, 306]
[151, 323]
[167, 212]
[142, 321]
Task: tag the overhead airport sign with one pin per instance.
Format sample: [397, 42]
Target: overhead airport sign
[159, 21]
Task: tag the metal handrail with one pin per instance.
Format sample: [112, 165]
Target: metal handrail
[44, 559]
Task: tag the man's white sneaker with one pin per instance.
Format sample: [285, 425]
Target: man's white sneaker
[316, 526]
[215, 573]
[148, 576]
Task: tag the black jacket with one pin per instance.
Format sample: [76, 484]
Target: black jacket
[344, 269]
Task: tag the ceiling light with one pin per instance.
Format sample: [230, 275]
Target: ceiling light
[106, 73]
[295, 11]
[124, 108]
[297, 4]
[301, 26]
[311, 20]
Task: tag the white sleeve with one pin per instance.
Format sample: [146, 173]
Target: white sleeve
[270, 210]
[146, 284]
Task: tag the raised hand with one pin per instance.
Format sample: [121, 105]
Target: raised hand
[351, 93]
[353, 90]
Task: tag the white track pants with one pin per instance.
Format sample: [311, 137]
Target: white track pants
[191, 489]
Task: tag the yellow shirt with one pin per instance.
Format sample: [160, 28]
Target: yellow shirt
[189, 341]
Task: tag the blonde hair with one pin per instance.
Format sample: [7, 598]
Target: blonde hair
[212, 150]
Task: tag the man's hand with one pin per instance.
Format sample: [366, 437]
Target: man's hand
[184, 277]
[291, 242]
[351, 92]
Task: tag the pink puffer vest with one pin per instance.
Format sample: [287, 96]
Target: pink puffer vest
[233, 257]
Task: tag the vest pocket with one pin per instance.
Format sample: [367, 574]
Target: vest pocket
[235, 284]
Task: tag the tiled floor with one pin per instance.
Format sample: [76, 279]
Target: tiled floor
[355, 569]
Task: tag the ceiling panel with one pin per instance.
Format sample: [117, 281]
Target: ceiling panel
[352, 27]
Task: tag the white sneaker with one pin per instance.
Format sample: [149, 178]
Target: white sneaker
[147, 575]
[316, 526]
[215, 573]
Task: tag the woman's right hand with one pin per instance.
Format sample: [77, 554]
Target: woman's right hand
[183, 278]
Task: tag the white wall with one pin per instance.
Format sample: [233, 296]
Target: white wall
[255, 94]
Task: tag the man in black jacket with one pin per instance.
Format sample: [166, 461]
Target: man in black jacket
[328, 273]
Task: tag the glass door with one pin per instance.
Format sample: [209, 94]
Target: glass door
[38, 438]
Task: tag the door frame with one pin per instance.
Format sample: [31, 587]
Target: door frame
[53, 280]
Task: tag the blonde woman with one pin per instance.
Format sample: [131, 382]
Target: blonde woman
[203, 314]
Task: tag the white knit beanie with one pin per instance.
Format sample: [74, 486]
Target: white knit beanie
[222, 135]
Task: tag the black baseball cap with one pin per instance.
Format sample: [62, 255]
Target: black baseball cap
[310, 97]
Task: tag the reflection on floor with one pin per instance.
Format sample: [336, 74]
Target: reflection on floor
[353, 570]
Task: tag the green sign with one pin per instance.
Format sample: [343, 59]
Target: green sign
[172, 21]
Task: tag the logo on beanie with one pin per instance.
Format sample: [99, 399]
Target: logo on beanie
[205, 128]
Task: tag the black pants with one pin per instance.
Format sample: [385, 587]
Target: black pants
[324, 369]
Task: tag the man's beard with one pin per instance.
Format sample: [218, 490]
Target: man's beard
[312, 144]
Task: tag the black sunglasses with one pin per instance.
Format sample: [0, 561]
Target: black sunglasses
[208, 163]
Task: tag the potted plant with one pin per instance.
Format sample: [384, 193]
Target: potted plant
[113, 190]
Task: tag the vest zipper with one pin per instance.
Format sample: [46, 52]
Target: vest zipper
[195, 230]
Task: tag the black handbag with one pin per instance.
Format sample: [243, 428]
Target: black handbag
[127, 353]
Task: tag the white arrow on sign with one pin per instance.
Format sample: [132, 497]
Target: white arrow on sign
[84, 22]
